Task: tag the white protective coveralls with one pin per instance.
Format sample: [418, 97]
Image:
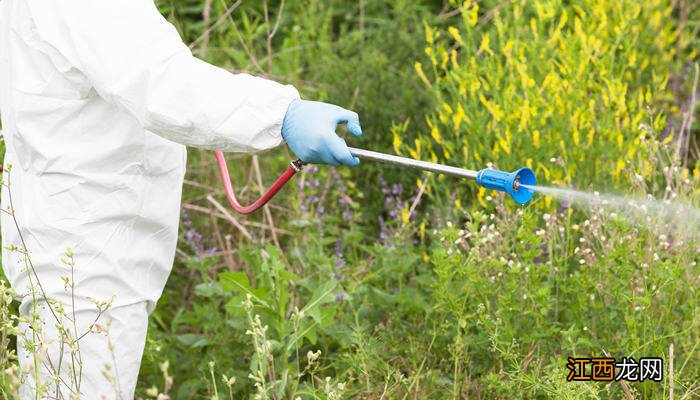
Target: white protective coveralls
[97, 99]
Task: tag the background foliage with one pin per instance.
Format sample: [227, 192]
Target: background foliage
[380, 283]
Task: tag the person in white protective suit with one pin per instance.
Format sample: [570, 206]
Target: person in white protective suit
[98, 99]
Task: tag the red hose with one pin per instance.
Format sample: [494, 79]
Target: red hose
[281, 181]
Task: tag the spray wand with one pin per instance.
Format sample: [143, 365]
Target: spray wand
[516, 183]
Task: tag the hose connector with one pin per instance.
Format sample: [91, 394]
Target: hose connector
[509, 182]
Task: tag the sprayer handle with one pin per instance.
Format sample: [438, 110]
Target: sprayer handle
[295, 166]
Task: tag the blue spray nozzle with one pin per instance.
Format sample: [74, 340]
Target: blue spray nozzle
[509, 182]
[518, 184]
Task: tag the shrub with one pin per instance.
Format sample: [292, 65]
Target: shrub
[527, 82]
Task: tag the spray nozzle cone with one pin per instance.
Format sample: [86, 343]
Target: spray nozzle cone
[510, 182]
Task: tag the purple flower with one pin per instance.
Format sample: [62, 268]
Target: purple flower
[339, 259]
[341, 297]
[394, 206]
[186, 219]
[197, 244]
[193, 236]
[338, 247]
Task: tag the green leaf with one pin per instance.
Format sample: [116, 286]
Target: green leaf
[315, 313]
[193, 340]
[327, 314]
[238, 281]
[235, 306]
[235, 281]
[282, 384]
[300, 223]
[323, 294]
[288, 275]
[208, 289]
[307, 329]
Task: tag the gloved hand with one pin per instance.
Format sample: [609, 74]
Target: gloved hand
[309, 130]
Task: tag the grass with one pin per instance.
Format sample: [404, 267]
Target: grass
[377, 283]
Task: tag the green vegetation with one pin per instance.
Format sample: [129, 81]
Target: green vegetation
[378, 283]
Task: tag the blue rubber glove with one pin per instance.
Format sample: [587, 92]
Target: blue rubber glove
[309, 130]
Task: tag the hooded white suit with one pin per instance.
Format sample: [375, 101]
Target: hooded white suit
[97, 99]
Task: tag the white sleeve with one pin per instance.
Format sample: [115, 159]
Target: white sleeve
[136, 60]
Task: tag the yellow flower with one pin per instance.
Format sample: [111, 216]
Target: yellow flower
[473, 15]
[481, 195]
[668, 138]
[533, 27]
[494, 109]
[404, 215]
[435, 133]
[505, 142]
[397, 143]
[447, 108]
[459, 117]
[454, 32]
[421, 74]
[430, 52]
[526, 80]
[508, 47]
[547, 173]
[474, 86]
[445, 59]
[484, 47]
[429, 37]
[557, 32]
[618, 168]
